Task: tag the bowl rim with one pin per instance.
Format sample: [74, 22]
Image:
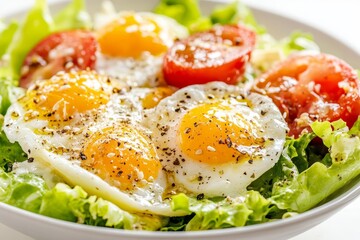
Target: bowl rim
[334, 204]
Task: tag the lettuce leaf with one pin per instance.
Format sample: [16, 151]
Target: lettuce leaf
[30, 192]
[5, 89]
[37, 25]
[221, 213]
[6, 35]
[73, 16]
[319, 181]
[186, 12]
[298, 41]
[234, 13]
[24, 191]
[294, 159]
[10, 152]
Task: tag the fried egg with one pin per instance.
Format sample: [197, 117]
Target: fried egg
[132, 45]
[214, 140]
[87, 128]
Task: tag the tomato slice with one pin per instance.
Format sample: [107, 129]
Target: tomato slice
[313, 87]
[62, 51]
[219, 54]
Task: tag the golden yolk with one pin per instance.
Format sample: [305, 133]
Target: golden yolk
[64, 95]
[156, 95]
[215, 134]
[130, 35]
[123, 157]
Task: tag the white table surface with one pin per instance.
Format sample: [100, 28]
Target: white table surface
[340, 18]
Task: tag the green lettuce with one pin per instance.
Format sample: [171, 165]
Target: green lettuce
[10, 152]
[298, 41]
[186, 12]
[37, 25]
[293, 160]
[73, 16]
[220, 213]
[7, 33]
[30, 192]
[319, 181]
[234, 13]
[5, 89]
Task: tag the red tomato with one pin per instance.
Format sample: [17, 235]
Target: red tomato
[219, 54]
[61, 51]
[313, 87]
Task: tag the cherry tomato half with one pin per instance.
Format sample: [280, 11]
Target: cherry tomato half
[313, 87]
[219, 54]
[60, 51]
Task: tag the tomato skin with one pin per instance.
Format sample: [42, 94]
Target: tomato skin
[219, 54]
[61, 51]
[307, 88]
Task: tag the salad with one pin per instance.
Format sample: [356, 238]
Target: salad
[171, 120]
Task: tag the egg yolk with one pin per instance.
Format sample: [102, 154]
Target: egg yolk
[64, 95]
[216, 133]
[123, 157]
[130, 35]
[153, 98]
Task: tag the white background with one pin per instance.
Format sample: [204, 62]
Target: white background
[340, 18]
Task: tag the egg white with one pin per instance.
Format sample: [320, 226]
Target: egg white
[58, 149]
[227, 179]
[145, 71]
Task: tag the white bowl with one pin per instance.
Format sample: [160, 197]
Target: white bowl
[40, 227]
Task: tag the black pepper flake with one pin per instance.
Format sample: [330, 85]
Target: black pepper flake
[228, 142]
[251, 161]
[30, 160]
[200, 178]
[252, 175]
[82, 156]
[119, 173]
[200, 196]
[176, 162]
